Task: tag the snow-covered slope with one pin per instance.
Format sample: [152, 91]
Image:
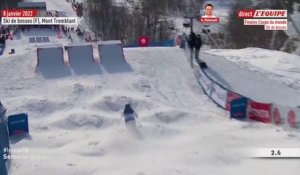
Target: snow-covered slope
[76, 125]
[279, 66]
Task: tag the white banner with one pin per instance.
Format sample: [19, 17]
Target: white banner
[219, 95]
[205, 82]
[40, 21]
[288, 117]
[275, 152]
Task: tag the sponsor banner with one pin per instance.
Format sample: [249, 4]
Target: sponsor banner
[143, 41]
[288, 117]
[219, 95]
[278, 115]
[205, 82]
[231, 96]
[17, 124]
[259, 111]
[238, 108]
[292, 119]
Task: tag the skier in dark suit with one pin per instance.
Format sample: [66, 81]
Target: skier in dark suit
[191, 42]
[129, 114]
[198, 44]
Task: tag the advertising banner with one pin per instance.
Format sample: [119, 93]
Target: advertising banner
[230, 97]
[17, 124]
[219, 95]
[143, 41]
[238, 108]
[205, 82]
[259, 111]
[288, 118]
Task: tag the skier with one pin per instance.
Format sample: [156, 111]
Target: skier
[198, 44]
[129, 114]
[191, 43]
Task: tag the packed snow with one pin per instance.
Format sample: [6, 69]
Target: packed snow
[278, 66]
[76, 126]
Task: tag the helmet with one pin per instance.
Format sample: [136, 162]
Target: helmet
[127, 105]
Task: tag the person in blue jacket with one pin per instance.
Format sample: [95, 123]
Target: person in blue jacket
[129, 114]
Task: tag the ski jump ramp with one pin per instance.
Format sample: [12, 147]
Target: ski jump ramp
[50, 61]
[81, 59]
[112, 57]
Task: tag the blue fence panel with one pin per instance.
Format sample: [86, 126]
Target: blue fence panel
[238, 108]
[164, 43]
[4, 146]
[131, 45]
[18, 124]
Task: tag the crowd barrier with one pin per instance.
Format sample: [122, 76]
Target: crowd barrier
[247, 109]
[4, 145]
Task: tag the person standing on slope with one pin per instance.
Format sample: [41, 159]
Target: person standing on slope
[191, 42]
[198, 44]
[129, 114]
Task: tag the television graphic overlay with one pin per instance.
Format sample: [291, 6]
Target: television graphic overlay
[208, 14]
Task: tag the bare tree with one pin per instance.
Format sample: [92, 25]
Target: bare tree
[109, 21]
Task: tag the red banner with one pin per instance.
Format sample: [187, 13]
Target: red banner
[292, 119]
[276, 116]
[19, 13]
[259, 111]
[245, 13]
[262, 13]
[209, 20]
[143, 41]
[231, 96]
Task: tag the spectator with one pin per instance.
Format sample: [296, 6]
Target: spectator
[198, 44]
[191, 42]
